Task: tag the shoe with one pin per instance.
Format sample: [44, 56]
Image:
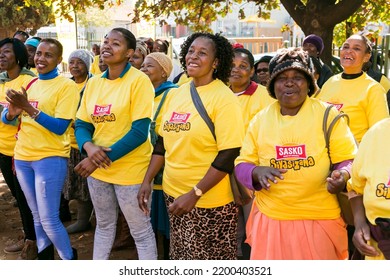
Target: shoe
[84, 211]
[30, 250]
[47, 253]
[14, 248]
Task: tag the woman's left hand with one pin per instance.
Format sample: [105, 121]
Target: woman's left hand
[337, 181]
[85, 168]
[183, 204]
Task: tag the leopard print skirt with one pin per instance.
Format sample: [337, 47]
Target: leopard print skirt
[204, 233]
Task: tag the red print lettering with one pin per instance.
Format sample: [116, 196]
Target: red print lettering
[338, 106]
[4, 104]
[34, 103]
[101, 110]
[179, 117]
[298, 151]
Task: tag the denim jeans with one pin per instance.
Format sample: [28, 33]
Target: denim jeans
[42, 182]
[16, 190]
[105, 198]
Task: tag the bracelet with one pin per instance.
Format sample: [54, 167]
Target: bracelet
[35, 115]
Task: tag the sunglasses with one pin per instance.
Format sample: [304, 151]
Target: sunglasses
[261, 70]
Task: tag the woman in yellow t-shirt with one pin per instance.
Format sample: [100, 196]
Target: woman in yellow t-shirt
[158, 66]
[353, 91]
[43, 146]
[112, 127]
[13, 60]
[295, 214]
[202, 214]
[370, 202]
[253, 97]
[76, 187]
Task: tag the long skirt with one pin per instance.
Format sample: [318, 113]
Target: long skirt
[295, 239]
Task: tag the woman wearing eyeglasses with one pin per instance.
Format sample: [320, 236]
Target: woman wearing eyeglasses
[262, 69]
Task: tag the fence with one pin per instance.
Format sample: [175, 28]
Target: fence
[260, 44]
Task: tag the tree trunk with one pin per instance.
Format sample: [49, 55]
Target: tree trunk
[320, 17]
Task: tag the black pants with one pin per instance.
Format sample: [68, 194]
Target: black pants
[16, 190]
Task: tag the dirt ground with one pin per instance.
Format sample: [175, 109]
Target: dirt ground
[11, 229]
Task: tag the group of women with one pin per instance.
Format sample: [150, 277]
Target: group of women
[201, 132]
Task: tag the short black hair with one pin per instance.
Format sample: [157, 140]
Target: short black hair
[129, 37]
[251, 59]
[164, 45]
[54, 42]
[20, 50]
[223, 52]
[21, 32]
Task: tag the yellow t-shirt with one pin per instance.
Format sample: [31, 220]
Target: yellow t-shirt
[8, 139]
[57, 98]
[297, 143]
[95, 70]
[363, 99]
[190, 146]
[111, 106]
[183, 79]
[371, 171]
[157, 101]
[254, 101]
[73, 142]
[385, 83]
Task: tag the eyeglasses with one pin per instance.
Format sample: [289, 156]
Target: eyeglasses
[261, 70]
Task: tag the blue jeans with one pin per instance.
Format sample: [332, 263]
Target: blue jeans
[42, 182]
[105, 198]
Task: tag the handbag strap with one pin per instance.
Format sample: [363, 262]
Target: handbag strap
[161, 103]
[328, 130]
[201, 109]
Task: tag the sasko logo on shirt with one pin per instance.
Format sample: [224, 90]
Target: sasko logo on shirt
[283, 152]
[291, 157]
[102, 110]
[177, 122]
[179, 117]
[102, 113]
[338, 106]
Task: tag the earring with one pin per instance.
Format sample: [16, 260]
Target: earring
[215, 71]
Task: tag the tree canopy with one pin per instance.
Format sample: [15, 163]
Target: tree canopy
[313, 16]
[15, 15]
[30, 15]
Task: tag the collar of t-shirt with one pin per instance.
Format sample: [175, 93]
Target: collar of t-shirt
[127, 68]
[249, 90]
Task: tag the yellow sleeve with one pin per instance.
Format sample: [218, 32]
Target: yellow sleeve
[68, 100]
[357, 182]
[141, 95]
[227, 117]
[249, 150]
[342, 142]
[376, 107]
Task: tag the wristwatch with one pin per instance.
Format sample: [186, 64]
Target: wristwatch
[198, 191]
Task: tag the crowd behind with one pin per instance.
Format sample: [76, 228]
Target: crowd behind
[151, 148]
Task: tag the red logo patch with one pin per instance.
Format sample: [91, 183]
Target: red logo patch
[179, 117]
[4, 104]
[337, 106]
[283, 152]
[34, 104]
[102, 110]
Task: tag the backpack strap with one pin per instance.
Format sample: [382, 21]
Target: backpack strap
[201, 109]
[161, 103]
[328, 130]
